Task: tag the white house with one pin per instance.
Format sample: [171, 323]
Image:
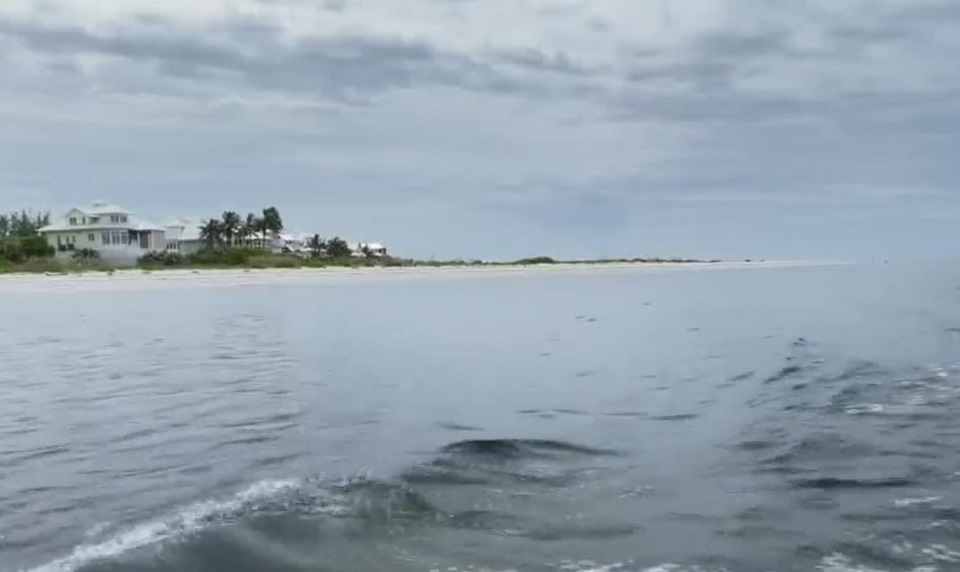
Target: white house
[113, 232]
[183, 236]
[360, 249]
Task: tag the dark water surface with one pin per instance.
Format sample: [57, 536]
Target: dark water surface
[741, 420]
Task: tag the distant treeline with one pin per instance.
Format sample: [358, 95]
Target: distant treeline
[20, 239]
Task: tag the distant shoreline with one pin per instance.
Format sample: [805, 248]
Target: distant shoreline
[180, 277]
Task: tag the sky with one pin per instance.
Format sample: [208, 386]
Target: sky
[501, 128]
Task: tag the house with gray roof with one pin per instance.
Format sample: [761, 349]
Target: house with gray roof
[116, 234]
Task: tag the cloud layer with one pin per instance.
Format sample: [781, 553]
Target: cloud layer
[496, 127]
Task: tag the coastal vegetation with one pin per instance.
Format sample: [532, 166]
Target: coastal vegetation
[20, 241]
[230, 231]
[231, 241]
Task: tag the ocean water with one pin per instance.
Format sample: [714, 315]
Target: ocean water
[792, 419]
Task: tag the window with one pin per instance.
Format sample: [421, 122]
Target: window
[116, 218]
[91, 238]
[73, 220]
[115, 237]
[123, 218]
[94, 219]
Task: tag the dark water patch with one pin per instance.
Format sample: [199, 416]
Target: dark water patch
[757, 445]
[450, 426]
[812, 450]
[521, 448]
[16, 458]
[785, 373]
[628, 414]
[134, 435]
[743, 376]
[452, 472]
[557, 533]
[275, 418]
[835, 483]
[251, 440]
[504, 462]
[478, 519]
[440, 473]
[676, 417]
[565, 411]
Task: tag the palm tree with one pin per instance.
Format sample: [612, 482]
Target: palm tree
[317, 245]
[272, 222]
[212, 232]
[250, 227]
[260, 227]
[231, 227]
[338, 248]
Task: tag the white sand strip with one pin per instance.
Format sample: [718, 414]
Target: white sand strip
[165, 279]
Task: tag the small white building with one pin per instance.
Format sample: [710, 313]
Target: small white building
[183, 237]
[296, 242]
[360, 249]
[113, 232]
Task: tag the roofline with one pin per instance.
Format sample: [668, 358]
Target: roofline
[82, 228]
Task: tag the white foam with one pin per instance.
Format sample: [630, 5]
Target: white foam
[190, 520]
[865, 409]
[843, 563]
[901, 503]
[941, 553]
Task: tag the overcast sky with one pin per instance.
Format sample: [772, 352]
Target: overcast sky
[501, 128]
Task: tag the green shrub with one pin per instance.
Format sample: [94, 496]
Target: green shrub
[20, 249]
[223, 257]
[156, 259]
[536, 260]
[275, 261]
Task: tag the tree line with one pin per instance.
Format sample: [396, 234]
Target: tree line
[20, 238]
[231, 230]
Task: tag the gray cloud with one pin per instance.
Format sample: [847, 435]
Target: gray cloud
[251, 52]
[569, 117]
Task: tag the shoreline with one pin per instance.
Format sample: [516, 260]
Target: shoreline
[233, 277]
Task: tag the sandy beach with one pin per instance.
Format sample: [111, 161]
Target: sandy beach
[136, 279]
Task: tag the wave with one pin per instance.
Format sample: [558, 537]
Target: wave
[269, 513]
[191, 520]
[504, 462]
[521, 448]
[840, 483]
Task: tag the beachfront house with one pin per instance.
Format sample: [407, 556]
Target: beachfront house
[360, 249]
[113, 232]
[274, 243]
[183, 236]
